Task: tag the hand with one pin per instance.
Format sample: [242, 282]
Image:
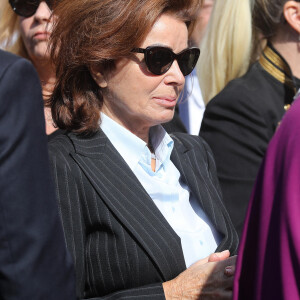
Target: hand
[218, 256]
[206, 279]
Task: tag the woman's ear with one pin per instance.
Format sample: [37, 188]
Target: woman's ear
[291, 11]
[98, 76]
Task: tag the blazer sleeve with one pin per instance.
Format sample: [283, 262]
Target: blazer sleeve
[34, 263]
[238, 135]
[70, 192]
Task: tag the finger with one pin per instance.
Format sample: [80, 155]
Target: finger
[218, 256]
[230, 261]
[214, 257]
[224, 254]
[226, 267]
[229, 271]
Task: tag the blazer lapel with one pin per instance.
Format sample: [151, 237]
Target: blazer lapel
[200, 184]
[119, 188]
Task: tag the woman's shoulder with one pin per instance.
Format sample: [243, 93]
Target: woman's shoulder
[60, 145]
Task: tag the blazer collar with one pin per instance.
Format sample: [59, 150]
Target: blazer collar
[183, 158]
[121, 191]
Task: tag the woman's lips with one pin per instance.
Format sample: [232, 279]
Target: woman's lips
[42, 35]
[166, 101]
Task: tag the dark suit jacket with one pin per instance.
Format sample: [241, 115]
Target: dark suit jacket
[238, 125]
[121, 243]
[34, 263]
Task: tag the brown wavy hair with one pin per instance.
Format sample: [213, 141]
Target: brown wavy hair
[94, 32]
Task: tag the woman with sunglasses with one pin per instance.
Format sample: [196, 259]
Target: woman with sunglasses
[141, 210]
[25, 28]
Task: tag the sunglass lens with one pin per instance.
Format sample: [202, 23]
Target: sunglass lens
[24, 8]
[159, 60]
[187, 60]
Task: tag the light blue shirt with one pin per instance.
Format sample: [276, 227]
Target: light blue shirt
[169, 193]
[191, 107]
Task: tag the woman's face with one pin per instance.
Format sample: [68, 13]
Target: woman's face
[136, 98]
[35, 32]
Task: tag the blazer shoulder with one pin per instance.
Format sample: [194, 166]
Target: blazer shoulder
[60, 145]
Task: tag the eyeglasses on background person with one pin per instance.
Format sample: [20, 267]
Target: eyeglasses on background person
[25, 29]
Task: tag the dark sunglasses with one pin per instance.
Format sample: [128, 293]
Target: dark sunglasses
[160, 59]
[27, 8]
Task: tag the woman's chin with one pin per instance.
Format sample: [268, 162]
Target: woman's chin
[166, 117]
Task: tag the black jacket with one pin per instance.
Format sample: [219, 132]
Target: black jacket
[34, 263]
[240, 121]
[121, 243]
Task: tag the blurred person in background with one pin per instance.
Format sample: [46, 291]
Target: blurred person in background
[239, 122]
[25, 27]
[226, 47]
[190, 109]
[34, 262]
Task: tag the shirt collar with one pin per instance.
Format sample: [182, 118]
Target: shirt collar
[131, 147]
[162, 144]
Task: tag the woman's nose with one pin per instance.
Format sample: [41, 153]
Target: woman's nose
[174, 75]
[43, 12]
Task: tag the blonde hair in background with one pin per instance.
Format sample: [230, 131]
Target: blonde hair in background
[10, 38]
[227, 46]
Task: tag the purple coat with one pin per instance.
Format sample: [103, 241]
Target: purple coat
[268, 265]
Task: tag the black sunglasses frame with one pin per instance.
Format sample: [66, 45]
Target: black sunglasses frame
[28, 8]
[194, 51]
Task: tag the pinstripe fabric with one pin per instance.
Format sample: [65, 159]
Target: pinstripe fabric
[204, 184]
[122, 245]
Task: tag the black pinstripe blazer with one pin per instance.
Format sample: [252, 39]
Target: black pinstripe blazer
[122, 245]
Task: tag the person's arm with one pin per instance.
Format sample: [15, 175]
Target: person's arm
[34, 263]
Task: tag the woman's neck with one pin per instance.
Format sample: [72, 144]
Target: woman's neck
[286, 42]
[138, 128]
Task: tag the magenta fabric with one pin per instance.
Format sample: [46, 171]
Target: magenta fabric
[268, 264]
